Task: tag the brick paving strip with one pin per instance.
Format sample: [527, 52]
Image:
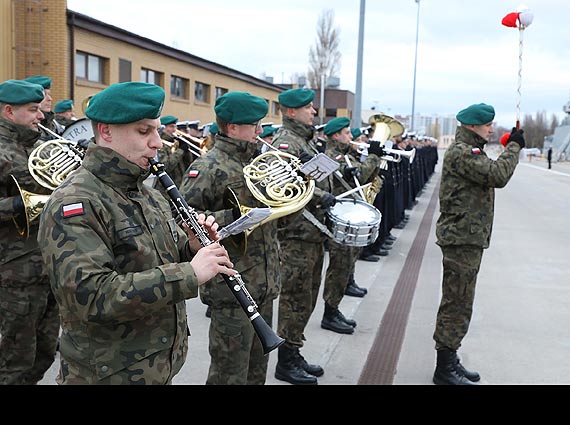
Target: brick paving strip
[381, 364]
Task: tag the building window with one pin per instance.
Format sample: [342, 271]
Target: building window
[89, 67]
[202, 92]
[125, 71]
[331, 113]
[150, 76]
[179, 87]
[220, 92]
[274, 108]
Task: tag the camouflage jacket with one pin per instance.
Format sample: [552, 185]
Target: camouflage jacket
[467, 192]
[117, 264]
[20, 259]
[368, 169]
[294, 138]
[205, 189]
[50, 123]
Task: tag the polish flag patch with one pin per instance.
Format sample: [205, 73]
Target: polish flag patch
[73, 210]
[193, 174]
[284, 146]
[476, 150]
[339, 158]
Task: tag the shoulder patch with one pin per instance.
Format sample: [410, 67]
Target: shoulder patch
[284, 146]
[73, 210]
[339, 158]
[193, 174]
[476, 151]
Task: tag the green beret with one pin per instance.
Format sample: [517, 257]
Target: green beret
[63, 105]
[18, 92]
[478, 114]
[168, 119]
[356, 132]
[240, 108]
[124, 103]
[214, 129]
[335, 125]
[296, 98]
[42, 80]
[268, 131]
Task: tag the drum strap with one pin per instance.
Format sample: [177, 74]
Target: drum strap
[309, 216]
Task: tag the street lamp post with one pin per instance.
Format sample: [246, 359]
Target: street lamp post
[357, 113]
[415, 67]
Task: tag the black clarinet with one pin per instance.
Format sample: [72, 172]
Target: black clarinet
[269, 339]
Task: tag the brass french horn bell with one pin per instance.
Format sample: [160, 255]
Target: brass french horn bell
[33, 205]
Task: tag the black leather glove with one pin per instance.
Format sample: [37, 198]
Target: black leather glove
[327, 200]
[305, 157]
[185, 146]
[18, 204]
[376, 148]
[350, 172]
[83, 143]
[517, 137]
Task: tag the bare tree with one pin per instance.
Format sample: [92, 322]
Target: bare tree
[324, 57]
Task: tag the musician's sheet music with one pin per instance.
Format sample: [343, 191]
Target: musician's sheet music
[320, 167]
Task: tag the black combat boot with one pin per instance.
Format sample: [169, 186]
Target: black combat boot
[349, 322]
[353, 291]
[289, 370]
[313, 369]
[446, 372]
[471, 375]
[332, 321]
[352, 282]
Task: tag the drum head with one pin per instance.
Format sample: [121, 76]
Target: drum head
[354, 211]
[80, 129]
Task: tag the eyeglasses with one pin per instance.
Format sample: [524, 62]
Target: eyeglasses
[255, 124]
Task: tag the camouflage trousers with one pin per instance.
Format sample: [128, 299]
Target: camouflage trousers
[29, 326]
[342, 260]
[460, 268]
[301, 271]
[236, 353]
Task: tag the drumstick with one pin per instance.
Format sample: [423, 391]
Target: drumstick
[355, 179]
[350, 192]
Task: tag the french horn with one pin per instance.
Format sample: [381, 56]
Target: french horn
[50, 163]
[273, 178]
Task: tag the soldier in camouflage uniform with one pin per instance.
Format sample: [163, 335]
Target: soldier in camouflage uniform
[463, 230]
[119, 266]
[236, 354]
[46, 107]
[29, 322]
[342, 258]
[302, 244]
[64, 113]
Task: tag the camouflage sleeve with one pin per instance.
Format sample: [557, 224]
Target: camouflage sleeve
[99, 278]
[474, 165]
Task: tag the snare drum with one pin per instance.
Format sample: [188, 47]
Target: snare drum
[353, 222]
[80, 129]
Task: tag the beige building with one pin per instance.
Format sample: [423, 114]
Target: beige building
[83, 56]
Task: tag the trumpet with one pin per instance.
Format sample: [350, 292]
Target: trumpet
[195, 145]
[410, 155]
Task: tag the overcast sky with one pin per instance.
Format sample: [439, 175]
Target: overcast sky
[465, 54]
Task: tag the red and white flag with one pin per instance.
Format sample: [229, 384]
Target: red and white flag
[73, 210]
